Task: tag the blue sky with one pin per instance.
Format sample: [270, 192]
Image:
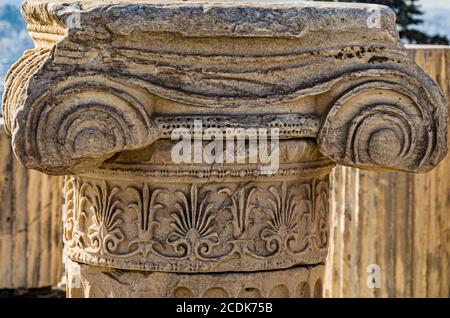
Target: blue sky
[435, 3]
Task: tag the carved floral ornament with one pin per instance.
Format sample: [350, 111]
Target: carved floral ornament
[109, 81]
[245, 225]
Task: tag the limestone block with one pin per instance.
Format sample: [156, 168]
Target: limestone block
[30, 223]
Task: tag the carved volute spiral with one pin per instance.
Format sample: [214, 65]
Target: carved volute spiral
[384, 124]
[80, 121]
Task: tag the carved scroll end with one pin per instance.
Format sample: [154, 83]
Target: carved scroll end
[384, 125]
[75, 123]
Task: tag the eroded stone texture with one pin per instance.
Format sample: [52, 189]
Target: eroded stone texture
[200, 219]
[107, 85]
[109, 81]
[99, 282]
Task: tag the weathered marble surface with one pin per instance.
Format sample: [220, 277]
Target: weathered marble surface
[98, 282]
[106, 83]
[109, 81]
[195, 224]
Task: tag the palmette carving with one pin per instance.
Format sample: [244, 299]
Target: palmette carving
[240, 207]
[74, 214]
[202, 227]
[282, 227]
[145, 207]
[104, 232]
[194, 232]
[320, 213]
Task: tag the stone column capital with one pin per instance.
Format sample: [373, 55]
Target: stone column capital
[106, 76]
[110, 81]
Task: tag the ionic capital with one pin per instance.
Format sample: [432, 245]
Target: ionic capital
[107, 77]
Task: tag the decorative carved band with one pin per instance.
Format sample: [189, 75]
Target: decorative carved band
[288, 125]
[99, 282]
[200, 226]
[298, 158]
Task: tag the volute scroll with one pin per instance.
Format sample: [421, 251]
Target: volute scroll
[387, 124]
